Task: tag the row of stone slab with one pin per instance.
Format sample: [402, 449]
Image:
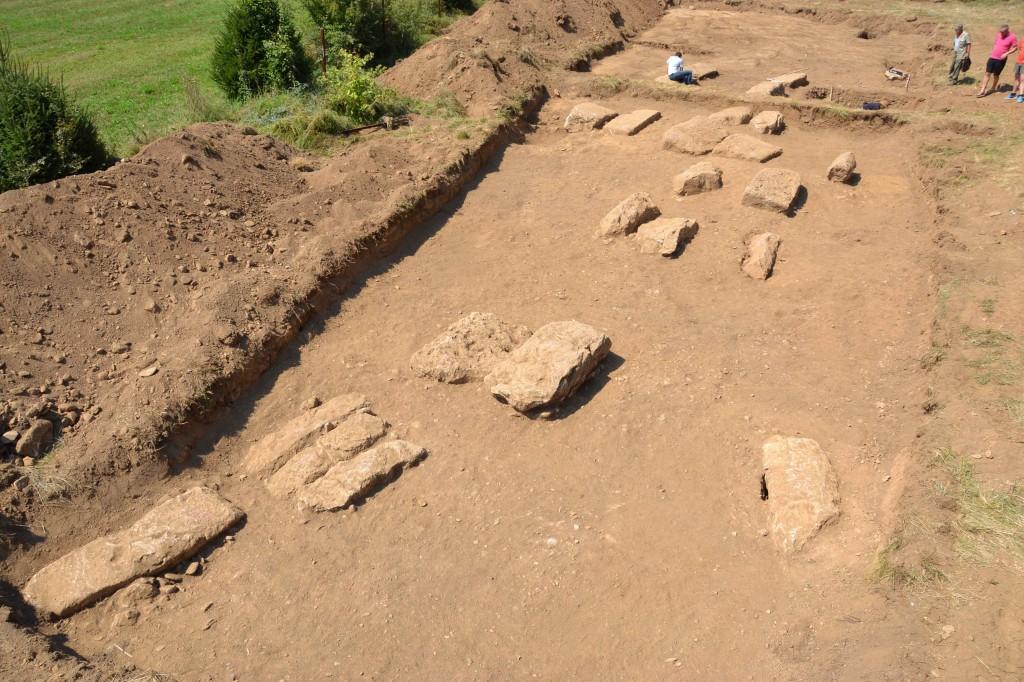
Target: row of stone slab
[530, 371]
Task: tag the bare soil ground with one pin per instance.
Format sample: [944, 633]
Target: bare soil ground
[623, 539]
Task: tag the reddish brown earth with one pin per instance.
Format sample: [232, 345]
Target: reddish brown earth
[623, 538]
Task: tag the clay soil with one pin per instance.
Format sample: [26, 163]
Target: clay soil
[624, 538]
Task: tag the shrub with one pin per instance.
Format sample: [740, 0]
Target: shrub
[258, 50]
[44, 135]
[351, 89]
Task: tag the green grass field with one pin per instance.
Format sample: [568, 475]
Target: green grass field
[125, 60]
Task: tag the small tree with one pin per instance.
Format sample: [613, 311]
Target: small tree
[44, 135]
[258, 50]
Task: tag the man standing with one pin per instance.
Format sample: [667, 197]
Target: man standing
[1018, 77]
[961, 51]
[1005, 44]
[676, 72]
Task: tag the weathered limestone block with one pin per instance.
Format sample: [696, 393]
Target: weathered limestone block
[468, 349]
[767, 89]
[166, 535]
[348, 482]
[803, 492]
[633, 122]
[697, 136]
[733, 116]
[700, 177]
[549, 367]
[768, 123]
[740, 146]
[588, 116]
[275, 449]
[666, 236]
[844, 168]
[634, 210]
[791, 80]
[762, 251]
[774, 189]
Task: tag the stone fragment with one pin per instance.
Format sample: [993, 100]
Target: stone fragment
[697, 136]
[843, 168]
[348, 482]
[803, 492]
[36, 439]
[634, 210]
[666, 236]
[149, 371]
[9, 437]
[166, 535]
[700, 177]
[633, 122]
[549, 367]
[274, 449]
[302, 469]
[468, 349]
[767, 89]
[774, 189]
[791, 80]
[740, 146]
[762, 250]
[768, 123]
[733, 116]
[588, 116]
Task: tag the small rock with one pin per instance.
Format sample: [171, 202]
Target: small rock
[844, 168]
[36, 440]
[666, 236]
[761, 253]
[149, 371]
[803, 492]
[192, 568]
[625, 218]
[124, 236]
[151, 306]
[768, 123]
[700, 177]
[9, 437]
[311, 403]
[774, 189]
[588, 116]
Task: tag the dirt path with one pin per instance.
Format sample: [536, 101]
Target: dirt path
[627, 532]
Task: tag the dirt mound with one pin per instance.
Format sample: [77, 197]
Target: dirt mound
[505, 49]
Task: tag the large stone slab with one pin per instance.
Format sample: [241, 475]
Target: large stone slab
[762, 250]
[791, 80]
[166, 535]
[700, 177]
[274, 450]
[348, 482]
[768, 123]
[549, 367]
[844, 168]
[350, 437]
[767, 89]
[633, 122]
[774, 189]
[803, 492]
[733, 116]
[634, 210]
[697, 136]
[588, 116]
[666, 236]
[468, 349]
[740, 146]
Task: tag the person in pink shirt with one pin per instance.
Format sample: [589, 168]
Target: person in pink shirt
[1006, 43]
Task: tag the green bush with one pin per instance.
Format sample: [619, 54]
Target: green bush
[352, 90]
[44, 135]
[259, 50]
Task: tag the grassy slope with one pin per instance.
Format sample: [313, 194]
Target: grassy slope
[125, 59]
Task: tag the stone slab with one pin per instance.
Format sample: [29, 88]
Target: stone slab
[346, 483]
[767, 89]
[625, 218]
[265, 456]
[588, 116]
[666, 236]
[844, 168]
[697, 136]
[467, 350]
[768, 123]
[700, 177]
[790, 80]
[803, 491]
[740, 146]
[633, 122]
[549, 367]
[733, 116]
[166, 535]
[762, 250]
[774, 189]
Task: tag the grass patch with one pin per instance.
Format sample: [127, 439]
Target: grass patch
[893, 572]
[990, 524]
[986, 338]
[987, 306]
[933, 357]
[1015, 409]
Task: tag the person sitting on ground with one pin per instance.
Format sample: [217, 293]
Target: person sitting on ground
[1018, 76]
[961, 53]
[1005, 43]
[676, 72]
